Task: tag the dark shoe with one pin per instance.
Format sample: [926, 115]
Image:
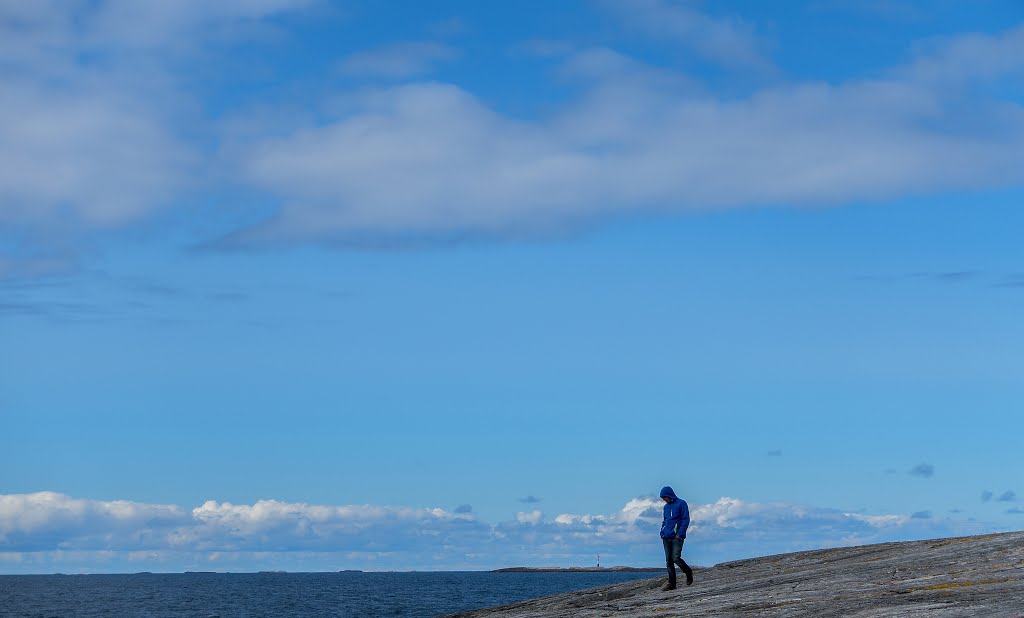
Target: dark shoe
[689, 576]
[668, 587]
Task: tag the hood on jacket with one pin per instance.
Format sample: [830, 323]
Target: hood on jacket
[666, 491]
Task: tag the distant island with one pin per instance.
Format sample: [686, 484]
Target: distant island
[614, 569]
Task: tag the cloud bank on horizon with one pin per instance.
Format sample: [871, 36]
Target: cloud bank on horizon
[49, 531]
[396, 155]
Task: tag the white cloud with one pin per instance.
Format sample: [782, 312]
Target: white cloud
[90, 113]
[62, 26]
[89, 144]
[47, 530]
[431, 159]
[531, 517]
[281, 526]
[726, 40]
[418, 158]
[399, 60]
[879, 521]
[91, 152]
[49, 520]
[152, 23]
[968, 57]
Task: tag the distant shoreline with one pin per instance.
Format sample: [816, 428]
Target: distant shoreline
[615, 569]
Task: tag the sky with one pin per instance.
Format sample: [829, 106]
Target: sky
[317, 285]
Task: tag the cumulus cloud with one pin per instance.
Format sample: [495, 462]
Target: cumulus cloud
[434, 160]
[730, 528]
[731, 525]
[1007, 496]
[94, 111]
[532, 517]
[49, 520]
[270, 525]
[923, 470]
[968, 57]
[48, 528]
[89, 128]
[93, 148]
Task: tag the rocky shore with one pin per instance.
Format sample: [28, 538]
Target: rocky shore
[966, 576]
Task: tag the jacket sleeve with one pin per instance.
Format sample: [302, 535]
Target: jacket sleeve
[684, 522]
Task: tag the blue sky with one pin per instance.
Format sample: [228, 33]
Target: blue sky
[322, 285]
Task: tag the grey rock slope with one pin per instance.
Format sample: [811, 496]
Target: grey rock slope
[967, 576]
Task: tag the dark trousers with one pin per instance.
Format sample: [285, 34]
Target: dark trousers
[673, 556]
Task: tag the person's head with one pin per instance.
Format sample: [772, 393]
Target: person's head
[667, 494]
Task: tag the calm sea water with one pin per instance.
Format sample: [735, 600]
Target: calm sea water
[282, 594]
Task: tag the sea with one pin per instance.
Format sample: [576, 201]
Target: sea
[243, 595]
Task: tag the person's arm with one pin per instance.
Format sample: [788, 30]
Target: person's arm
[684, 520]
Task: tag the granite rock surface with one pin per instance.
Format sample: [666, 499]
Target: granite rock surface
[966, 576]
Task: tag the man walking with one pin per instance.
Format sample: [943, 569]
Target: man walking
[673, 533]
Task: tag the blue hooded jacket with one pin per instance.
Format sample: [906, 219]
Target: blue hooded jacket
[677, 515]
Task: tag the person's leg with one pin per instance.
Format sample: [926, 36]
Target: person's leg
[677, 551]
[670, 562]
